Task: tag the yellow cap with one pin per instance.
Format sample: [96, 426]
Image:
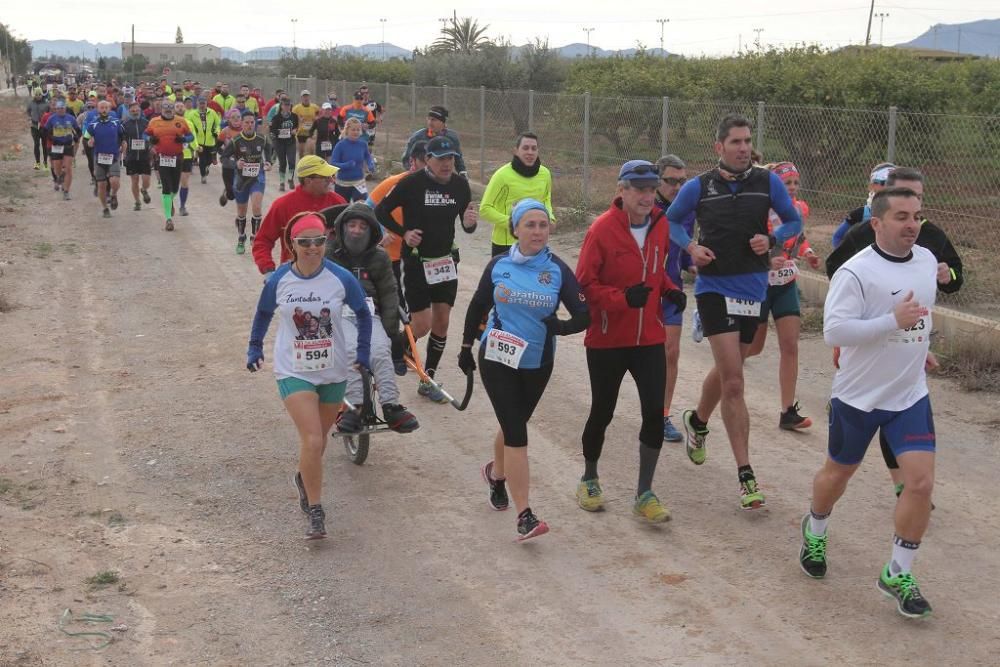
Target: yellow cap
[314, 165]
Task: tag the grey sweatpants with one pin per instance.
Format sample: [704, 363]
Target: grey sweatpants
[381, 361]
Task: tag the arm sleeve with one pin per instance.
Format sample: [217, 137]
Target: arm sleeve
[369, 160]
[266, 305]
[843, 325]
[588, 269]
[838, 234]
[390, 203]
[337, 157]
[388, 296]
[946, 253]
[268, 234]
[682, 210]
[857, 237]
[572, 297]
[480, 304]
[781, 202]
[491, 208]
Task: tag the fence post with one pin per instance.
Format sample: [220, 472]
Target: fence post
[482, 134]
[531, 110]
[444, 95]
[663, 125]
[386, 127]
[413, 102]
[343, 93]
[891, 151]
[586, 147]
[759, 142]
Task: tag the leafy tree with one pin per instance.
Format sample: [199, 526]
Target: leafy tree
[462, 36]
[179, 38]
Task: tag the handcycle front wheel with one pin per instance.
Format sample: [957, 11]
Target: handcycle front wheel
[357, 444]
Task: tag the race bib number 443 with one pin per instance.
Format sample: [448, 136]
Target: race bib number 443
[312, 355]
[251, 169]
[440, 270]
[505, 348]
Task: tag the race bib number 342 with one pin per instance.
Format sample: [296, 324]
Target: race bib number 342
[440, 270]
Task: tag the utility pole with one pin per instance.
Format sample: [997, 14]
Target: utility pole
[959, 39]
[382, 21]
[132, 59]
[757, 40]
[588, 31]
[868, 34]
[663, 23]
[882, 16]
[295, 48]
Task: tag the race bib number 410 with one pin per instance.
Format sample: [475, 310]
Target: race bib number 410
[742, 307]
[312, 355]
[440, 270]
[505, 348]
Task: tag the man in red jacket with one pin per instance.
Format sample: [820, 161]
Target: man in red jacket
[312, 194]
[621, 271]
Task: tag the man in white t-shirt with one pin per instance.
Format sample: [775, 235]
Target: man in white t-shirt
[878, 310]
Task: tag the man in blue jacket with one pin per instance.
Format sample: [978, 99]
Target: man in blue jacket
[105, 135]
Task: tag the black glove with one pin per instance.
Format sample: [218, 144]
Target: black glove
[153, 140]
[180, 138]
[466, 361]
[678, 298]
[636, 295]
[553, 325]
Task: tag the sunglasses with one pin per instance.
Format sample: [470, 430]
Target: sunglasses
[643, 170]
[674, 181]
[314, 241]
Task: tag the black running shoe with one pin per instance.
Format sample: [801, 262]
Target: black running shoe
[317, 523]
[300, 487]
[498, 488]
[145, 197]
[223, 199]
[114, 202]
[791, 420]
[399, 418]
[812, 554]
[529, 526]
[903, 589]
[350, 422]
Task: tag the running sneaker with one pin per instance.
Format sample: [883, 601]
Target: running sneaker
[281, 186]
[498, 489]
[114, 202]
[145, 196]
[399, 365]
[751, 497]
[903, 588]
[589, 495]
[204, 180]
[291, 184]
[812, 555]
[431, 391]
[670, 432]
[317, 523]
[184, 211]
[241, 245]
[301, 488]
[169, 226]
[38, 166]
[107, 213]
[350, 422]
[649, 507]
[791, 420]
[694, 443]
[529, 526]
[399, 418]
[56, 187]
[65, 195]
[223, 199]
[697, 333]
[137, 207]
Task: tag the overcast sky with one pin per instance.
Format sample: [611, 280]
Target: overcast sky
[693, 29]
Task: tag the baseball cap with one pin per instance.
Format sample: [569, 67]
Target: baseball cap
[314, 165]
[92, 93]
[326, 105]
[640, 174]
[304, 93]
[438, 112]
[358, 95]
[441, 147]
[60, 104]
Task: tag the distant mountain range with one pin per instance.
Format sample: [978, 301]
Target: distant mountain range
[980, 38]
[65, 48]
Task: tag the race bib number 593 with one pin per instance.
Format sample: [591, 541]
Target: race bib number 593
[505, 348]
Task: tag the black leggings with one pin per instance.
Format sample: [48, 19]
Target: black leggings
[514, 393]
[205, 159]
[40, 147]
[228, 175]
[90, 158]
[607, 367]
[286, 155]
[170, 178]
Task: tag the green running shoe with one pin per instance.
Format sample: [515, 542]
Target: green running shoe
[589, 495]
[649, 507]
[812, 555]
[694, 443]
[903, 588]
[241, 246]
[750, 496]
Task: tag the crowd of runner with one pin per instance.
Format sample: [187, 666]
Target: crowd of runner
[350, 261]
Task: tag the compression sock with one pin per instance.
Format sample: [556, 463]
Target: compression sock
[903, 553]
[184, 197]
[818, 522]
[697, 422]
[168, 205]
[745, 473]
[648, 456]
[435, 348]
[589, 470]
[241, 226]
[254, 225]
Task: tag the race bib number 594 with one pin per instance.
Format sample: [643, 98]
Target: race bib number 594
[312, 355]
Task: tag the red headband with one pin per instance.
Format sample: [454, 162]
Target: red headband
[786, 170]
[311, 221]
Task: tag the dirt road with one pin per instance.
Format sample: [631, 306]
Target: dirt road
[133, 441]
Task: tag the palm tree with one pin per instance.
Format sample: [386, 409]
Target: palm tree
[463, 36]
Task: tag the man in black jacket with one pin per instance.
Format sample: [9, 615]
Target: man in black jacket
[949, 275]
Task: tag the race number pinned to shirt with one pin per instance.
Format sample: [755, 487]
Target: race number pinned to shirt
[505, 348]
[326, 145]
[168, 160]
[285, 133]
[250, 169]
[742, 307]
[57, 149]
[307, 124]
[138, 144]
[786, 274]
[440, 270]
[312, 355]
[918, 333]
[105, 158]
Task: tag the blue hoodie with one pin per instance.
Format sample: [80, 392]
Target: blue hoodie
[349, 155]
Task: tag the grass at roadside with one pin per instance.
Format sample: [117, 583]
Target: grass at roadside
[973, 363]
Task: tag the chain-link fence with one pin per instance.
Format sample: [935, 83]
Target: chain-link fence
[585, 138]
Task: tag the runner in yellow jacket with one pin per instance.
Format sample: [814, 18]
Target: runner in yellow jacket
[205, 126]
